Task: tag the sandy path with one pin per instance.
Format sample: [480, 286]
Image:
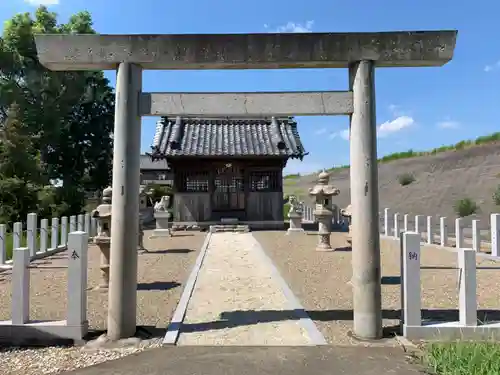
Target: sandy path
[238, 301]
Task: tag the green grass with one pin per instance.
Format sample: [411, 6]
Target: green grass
[9, 241]
[494, 137]
[462, 358]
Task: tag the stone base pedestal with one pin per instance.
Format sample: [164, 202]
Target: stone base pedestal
[295, 224]
[324, 243]
[162, 219]
[161, 233]
[324, 230]
[294, 230]
[162, 224]
[104, 244]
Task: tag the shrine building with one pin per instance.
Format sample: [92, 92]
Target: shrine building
[227, 168]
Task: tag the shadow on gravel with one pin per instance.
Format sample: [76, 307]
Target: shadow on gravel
[158, 285]
[240, 318]
[168, 251]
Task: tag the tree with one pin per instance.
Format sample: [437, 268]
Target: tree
[66, 118]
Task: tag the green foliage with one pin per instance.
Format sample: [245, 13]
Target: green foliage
[54, 126]
[465, 207]
[406, 179]
[159, 191]
[496, 196]
[462, 358]
[17, 199]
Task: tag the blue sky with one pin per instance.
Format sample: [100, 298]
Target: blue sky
[418, 108]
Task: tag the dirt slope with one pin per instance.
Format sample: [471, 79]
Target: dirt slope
[441, 180]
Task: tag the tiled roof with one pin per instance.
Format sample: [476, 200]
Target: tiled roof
[147, 163]
[229, 137]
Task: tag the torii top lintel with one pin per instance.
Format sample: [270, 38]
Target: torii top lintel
[246, 51]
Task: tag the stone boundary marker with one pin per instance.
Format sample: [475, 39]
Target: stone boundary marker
[468, 326]
[20, 329]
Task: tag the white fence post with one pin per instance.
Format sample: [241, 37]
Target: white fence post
[495, 234]
[78, 243]
[20, 286]
[405, 223]
[476, 236]
[418, 220]
[430, 233]
[64, 231]
[467, 294]
[81, 223]
[459, 233]
[31, 233]
[72, 223]
[443, 231]
[86, 227]
[411, 281]
[17, 233]
[396, 225]
[386, 222]
[54, 236]
[44, 235]
[3, 244]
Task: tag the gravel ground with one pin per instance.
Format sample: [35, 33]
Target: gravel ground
[236, 298]
[321, 280]
[161, 273]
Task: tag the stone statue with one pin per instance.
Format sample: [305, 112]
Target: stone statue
[162, 205]
[296, 207]
[295, 214]
[162, 216]
[323, 193]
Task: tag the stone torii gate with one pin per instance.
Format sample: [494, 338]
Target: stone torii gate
[359, 52]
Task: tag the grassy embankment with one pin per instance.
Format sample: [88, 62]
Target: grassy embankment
[494, 137]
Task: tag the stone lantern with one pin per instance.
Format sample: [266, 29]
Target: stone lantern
[323, 193]
[103, 239]
[347, 213]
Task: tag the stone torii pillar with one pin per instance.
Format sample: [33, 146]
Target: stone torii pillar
[122, 299]
[366, 282]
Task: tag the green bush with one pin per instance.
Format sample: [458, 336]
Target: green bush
[465, 207]
[496, 196]
[406, 179]
[159, 191]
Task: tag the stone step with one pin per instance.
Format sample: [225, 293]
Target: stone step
[229, 228]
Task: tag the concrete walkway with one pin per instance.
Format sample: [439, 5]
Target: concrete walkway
[240, 299]
[319, 360]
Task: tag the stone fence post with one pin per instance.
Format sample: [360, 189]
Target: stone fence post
[78, 243]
